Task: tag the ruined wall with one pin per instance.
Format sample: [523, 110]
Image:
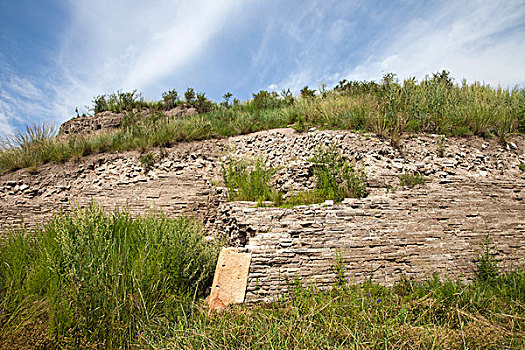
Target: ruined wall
[177, 184]
[433, 229]
[474, 186]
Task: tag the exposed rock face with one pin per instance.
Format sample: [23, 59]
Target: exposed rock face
[475, 186]
[108, 121]
[432, 229]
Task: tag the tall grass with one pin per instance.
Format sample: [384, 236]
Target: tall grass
[428, 314]
[97, 279]
[387, 108]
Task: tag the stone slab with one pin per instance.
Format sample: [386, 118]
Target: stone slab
[230, 280]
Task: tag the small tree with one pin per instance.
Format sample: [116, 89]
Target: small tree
[486, 262]
[227, 96]
[170, 98]
[307, 93]
[189, 96]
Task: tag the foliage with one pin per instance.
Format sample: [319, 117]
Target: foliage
[336, 178]
[99, 278]
[246, 182]
[189, 96]
[118, 102]
[170, 98]
[307, 93]
[266, 100]
[147, 160]
[486, 263]
[429, 314]
[388, 108]
[411, 179]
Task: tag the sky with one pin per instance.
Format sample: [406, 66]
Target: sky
[57, 55]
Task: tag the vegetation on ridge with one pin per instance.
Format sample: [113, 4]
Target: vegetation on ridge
[388, 108]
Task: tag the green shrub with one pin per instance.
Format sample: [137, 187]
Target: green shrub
[486, 263]
[147, 161]
[102, 277]
[170, 99]
[336, 178]
[411, 179]
[246, 181]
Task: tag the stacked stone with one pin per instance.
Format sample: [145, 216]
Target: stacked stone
[436, 228]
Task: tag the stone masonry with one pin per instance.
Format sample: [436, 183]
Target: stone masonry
[474, 186]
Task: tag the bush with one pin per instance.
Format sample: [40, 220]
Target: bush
[102, 277]
[249, 182]
[411, 179]
[486, 263]
[170, 99]
[336, 177]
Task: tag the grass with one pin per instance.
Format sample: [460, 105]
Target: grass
[336, 179]
[429, 314]
[95, 279]
[387, 108]
[245, 184]
[411, 179]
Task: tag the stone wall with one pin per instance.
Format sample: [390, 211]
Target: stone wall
[436, 228]
[178, 184]
[474, 186]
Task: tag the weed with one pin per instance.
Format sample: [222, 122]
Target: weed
[248, 181]
[336, 177]
[305, 198]
[441, 147]
[339, 268]
[486, 263]
[411, 179]
[521, 166]
[147, 161]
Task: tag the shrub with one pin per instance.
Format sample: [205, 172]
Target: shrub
[189, 96]
[411, 179]
[170, 99]
[336, 177]
[486, 263]
[147, 161]
[307, 93]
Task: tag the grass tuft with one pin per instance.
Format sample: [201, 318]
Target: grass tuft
[97, 279]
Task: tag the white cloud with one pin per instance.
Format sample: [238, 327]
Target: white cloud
[475, 40]
[21, 102]
[133, 44]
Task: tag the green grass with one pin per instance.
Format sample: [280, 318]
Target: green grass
[97, 279]
[428, 314]
[411, 179]
[336, 178]
[387, 108]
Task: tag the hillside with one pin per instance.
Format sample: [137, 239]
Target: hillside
[352, 196]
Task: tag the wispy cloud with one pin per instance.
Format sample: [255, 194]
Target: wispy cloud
[244, 46]
[132, 45]
[478, 40]
[21, 102]
[473, 40]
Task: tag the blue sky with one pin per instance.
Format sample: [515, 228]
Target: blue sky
[56, 55]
